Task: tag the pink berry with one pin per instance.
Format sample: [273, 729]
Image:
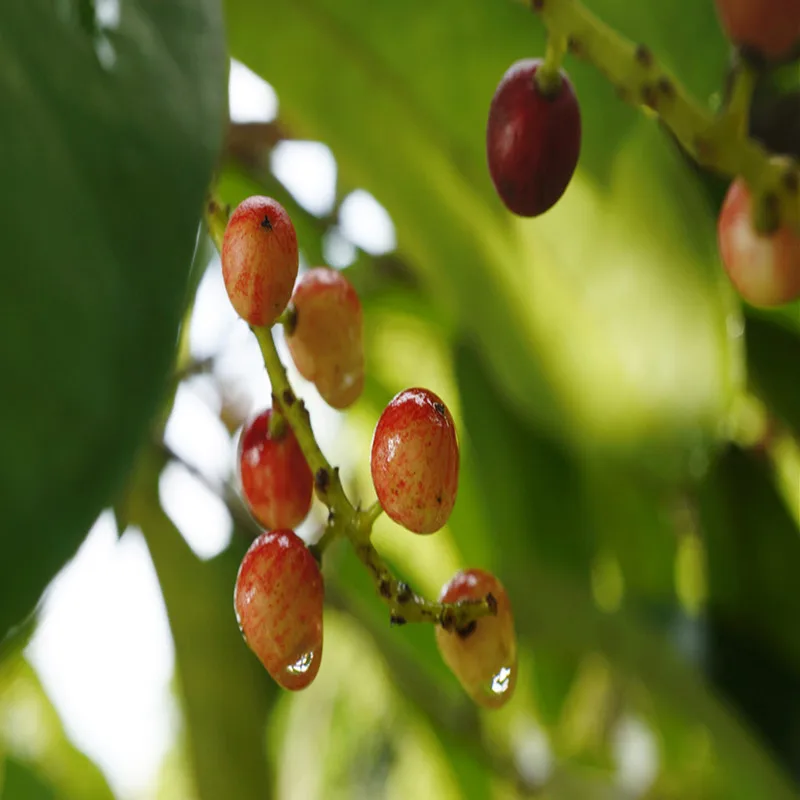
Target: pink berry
[532, 140]
[259, 260]
[415, 461]
[327, 342]
[764, 269]
[484, 655]
[277, 483]
[770, 27]
[278, 602]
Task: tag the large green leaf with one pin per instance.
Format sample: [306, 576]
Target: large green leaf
[606, 318]
[227, 694]
[107, 141]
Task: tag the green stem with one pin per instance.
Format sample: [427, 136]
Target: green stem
[548, 76]
[367, 517]
[641, 80]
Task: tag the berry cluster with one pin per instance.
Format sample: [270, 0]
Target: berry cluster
[533, 140]
[414, 463]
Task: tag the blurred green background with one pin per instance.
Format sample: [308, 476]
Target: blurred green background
[630, 461]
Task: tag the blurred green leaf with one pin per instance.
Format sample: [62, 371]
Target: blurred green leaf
[23, 783]
[31, 730]
[773, 362]
[107, 142]
[562, 314]
[227, 695]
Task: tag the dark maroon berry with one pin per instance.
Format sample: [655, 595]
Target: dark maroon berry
[533, 140]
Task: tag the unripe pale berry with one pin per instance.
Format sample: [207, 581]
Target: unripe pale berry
[532, 140]
[277, 483]
[415, 461]
[259, 260]
[769, 27]
[764, 269]
[278, 601]
[327, 341]
[484, 655]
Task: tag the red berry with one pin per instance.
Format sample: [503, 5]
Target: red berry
[278, 602]
[483, 657]
[259, 260]
[277, 483]
[764, 269]
[770, 27]
[327, 342]
[532, 140]
[415, 461]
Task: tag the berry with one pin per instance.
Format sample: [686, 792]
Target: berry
[278, 603]
[277, 483]
[532, 140]
[415, 461]
[483, 656]
[764, 269]
[327, 342]
[769, 27]
[259, 260]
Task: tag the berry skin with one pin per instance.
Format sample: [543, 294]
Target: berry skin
[327, 342]
[484, 659]
[764, 269]
[769, 27]
[415, 461]
[259, 260]
[277, 483]
[532, 141]
[278, 602]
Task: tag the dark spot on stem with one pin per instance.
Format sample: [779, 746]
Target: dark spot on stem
[447, 619]
[574, 45]
[491, 602]
[791, 181]
[439, 499]
[394, 619]
[704, 149]
[266, 224]
[666, 86]
[467, 630]
[644, 55]
[649, 96]
[537, 5]
[439, 409]
[403, 593]
[288, 397]
[385, 589]
[322, 480]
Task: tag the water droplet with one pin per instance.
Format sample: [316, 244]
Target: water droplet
[734, 326]
[501, 682]
[105, 52]
[302, 665]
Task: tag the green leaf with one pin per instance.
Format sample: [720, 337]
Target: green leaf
[563, 313]
[773, 361]
[107, 141]
[227, 695]
[23, 783]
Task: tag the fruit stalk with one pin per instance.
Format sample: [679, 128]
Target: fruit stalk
[710, 139]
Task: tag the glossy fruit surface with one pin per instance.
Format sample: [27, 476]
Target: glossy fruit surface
[764, 269]
[259, 260]
[327, 343]
[276, 480]
[278, 602]
[532, 141]
[484, 659]
[769, 27]
[415, 461]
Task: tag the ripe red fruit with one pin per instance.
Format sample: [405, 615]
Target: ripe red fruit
[278, 601]
[770, 27]
[277, 483]
[415, 461]
[532, 140]
[259, 260]
[764, 269]
[327, 342]
[483, 657]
